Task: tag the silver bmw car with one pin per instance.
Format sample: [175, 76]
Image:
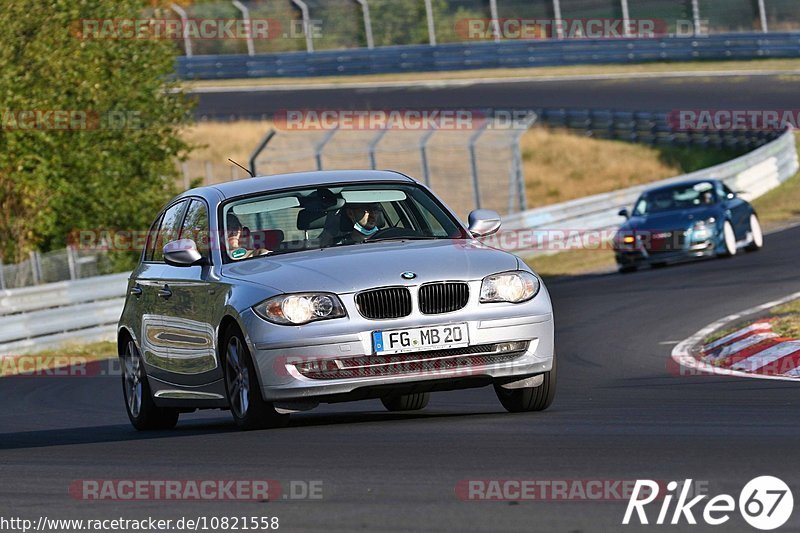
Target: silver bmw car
[270, 295]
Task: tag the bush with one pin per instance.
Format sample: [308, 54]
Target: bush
[92, 173]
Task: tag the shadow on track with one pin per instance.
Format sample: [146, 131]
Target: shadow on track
[208, 426]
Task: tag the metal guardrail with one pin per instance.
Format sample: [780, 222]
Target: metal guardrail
[506, 54]
[754, 173]
[68, 311]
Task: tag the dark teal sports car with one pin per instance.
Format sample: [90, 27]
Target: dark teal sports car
[684, 221]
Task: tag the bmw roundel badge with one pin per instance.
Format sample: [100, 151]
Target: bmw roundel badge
[408, 275]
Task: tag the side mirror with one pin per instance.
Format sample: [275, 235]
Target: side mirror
[483, 222]
[624, 212]
[182, 253]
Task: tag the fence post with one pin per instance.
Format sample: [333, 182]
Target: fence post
[2, 275]
[260, 148]
[73, 274]
[185, 171]
[209, 173]
[473, 158]
[626, 19]
[762, 12]
[495, 20]
[306, 24]
[35, 267]
[557, 22]
[248, 24]
[321, 146]
[431, 26]
[187, 41]
[367, 23]
[696, 16]
[423, 150]
[518, 167]
[373, 146]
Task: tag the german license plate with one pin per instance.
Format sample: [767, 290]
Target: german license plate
[420, 339]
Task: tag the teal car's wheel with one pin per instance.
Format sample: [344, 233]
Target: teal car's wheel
[143, 413]
[728, 240]
[756, 235]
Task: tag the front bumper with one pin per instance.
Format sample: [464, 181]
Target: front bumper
[641, 256]
[281, 353]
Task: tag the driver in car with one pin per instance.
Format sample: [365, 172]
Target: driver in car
[238, 237]
[352, 223]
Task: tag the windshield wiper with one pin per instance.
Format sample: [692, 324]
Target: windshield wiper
[405, 238]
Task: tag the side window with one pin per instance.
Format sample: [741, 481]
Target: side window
[152, 237]
[170, 228]
[195, 227]
[725, 191]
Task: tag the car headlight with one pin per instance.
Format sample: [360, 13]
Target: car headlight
[298, 309]
[703, 229]
[513, 287]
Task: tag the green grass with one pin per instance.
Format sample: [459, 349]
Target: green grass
[787, 321]
[572, 263]
[690, 159]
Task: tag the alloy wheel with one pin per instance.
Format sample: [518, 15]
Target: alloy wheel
[237, 378]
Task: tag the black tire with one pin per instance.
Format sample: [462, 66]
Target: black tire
[658, 265]
[406, 402]
[143, 413]
[628, 269]
[529, 398]
[242, 389]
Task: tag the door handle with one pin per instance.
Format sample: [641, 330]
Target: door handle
[136, 291]
[165, 293]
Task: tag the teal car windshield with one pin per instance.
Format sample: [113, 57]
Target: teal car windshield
[679, 197]
[322, 217]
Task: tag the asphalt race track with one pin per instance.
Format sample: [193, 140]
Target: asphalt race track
[657, 94]
[619, 415]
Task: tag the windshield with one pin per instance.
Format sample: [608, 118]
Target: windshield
[322, 217]
[680, 197]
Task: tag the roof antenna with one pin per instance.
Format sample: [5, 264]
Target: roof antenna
[243, 168]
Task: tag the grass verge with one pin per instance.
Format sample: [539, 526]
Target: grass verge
[785, 323]
[787, 320]
[782, 205]
[788, 65]
[56, 358]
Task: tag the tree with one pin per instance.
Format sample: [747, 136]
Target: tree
[104, 157]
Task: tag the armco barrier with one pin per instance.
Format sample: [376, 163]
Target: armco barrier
[51, 314]
[505, 54]
[85, 310]
[754, 174]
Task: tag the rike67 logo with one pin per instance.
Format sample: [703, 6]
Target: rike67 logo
[766, 503]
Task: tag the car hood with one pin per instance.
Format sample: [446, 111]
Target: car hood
[362, 266]
[670, 220]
